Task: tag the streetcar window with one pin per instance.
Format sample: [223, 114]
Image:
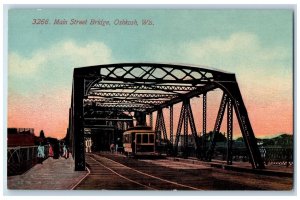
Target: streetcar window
[151, 138]
[145, 138]
[126, 139]
[138, 138]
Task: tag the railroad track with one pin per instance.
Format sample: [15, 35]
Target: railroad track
[116, 172]
[108, 174]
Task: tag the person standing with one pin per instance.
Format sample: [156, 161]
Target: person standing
[50, 153]
[65, 151]
[88, 144]
[40, 153]
[117, 147]
[112, 147]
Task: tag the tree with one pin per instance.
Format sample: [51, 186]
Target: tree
[240, 139]
[219, 137]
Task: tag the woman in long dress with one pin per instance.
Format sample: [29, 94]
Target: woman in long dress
[40, 153]
[65, 150]
[112, 147]
[50, 153]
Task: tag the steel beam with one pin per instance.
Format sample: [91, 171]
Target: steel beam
[160, 125]
[98, 87]
[77, 116]
[131, 95]
[151, 120]
[163, 125]
[179, 128]
[120, 108]
[192, 124]
[186, 117]
[185, 129]
[157, 126]
[157, 73]
[123, 105]
[204, 122]
[171, 125]
[217, 126]
[189, 95]
[107, 119]
[152, 102]
[245, 125]
[229, 131]
[71, 130]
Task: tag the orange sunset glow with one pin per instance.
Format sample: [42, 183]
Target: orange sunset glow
[51, 115]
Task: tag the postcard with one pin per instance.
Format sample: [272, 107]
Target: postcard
[150, 99]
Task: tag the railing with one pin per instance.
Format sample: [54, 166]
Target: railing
[20, 159]
[270, 155]
[278, 156]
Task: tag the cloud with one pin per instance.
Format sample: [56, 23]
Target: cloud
[66, 54]
[222, 47]
[24, 66]
[54, 65]
[239, 51]
[40, 84]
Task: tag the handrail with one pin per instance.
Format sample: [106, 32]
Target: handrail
[22, 158]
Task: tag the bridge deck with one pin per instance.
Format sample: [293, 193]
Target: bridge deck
[53, 174]
[189, 174]
[116, 172]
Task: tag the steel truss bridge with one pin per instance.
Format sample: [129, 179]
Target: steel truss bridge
[109, 91]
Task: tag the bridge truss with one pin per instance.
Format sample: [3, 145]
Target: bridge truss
[149, 88]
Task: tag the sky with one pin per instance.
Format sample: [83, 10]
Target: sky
[256, 45]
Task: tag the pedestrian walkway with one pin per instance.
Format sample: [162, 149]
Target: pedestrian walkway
[53, 174]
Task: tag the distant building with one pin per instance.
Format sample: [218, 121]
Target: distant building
[191, 141]
[20, 137]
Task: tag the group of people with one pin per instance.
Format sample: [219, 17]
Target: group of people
[115, 148]
[61, 151]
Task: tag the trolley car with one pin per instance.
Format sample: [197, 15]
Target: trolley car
[140, 141]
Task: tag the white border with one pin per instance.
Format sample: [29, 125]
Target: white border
[260, 4]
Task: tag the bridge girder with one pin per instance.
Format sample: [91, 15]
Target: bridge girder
[151, 87]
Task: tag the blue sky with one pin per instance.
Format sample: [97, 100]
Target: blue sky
[254, 44]
[273, 27]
